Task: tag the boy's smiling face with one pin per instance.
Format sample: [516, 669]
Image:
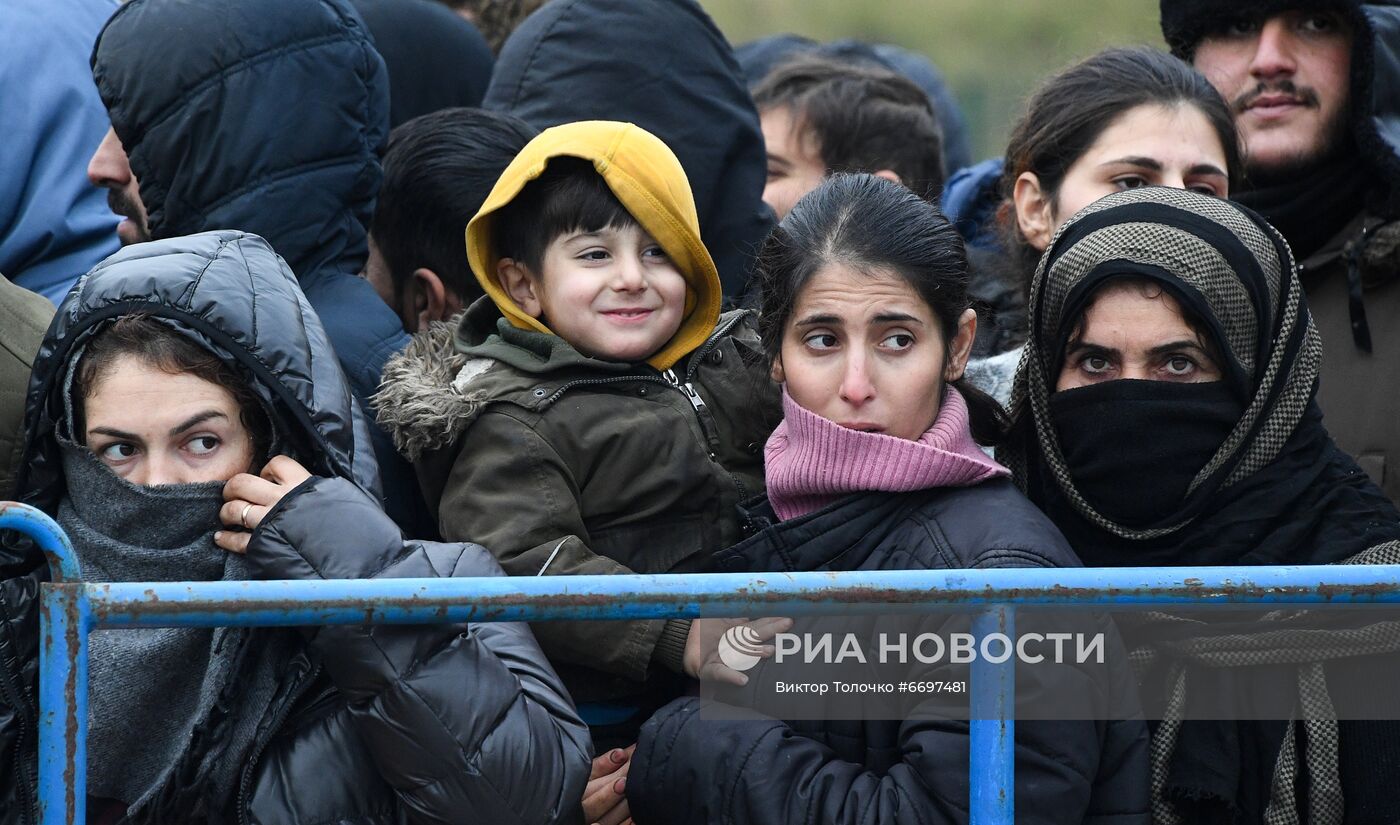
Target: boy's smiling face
[613, 294]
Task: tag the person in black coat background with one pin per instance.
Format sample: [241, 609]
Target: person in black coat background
[666, 67]
[267, 117]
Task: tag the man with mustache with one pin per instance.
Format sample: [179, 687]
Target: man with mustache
[270, 120]
[1312, 85]
[110, 169]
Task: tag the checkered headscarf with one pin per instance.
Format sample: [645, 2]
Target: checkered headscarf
[1232, 268]
[1256, 501]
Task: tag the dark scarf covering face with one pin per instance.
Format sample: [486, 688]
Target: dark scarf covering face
[1253, 476]
[1235, 472]
[166, 704]
[1310, 209]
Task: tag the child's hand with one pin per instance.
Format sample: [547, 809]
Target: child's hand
[603, 799]
[248, 498]
[701, 659]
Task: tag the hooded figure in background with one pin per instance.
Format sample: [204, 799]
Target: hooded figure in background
[267, 117]
[436, 59]
[1232, 471]
[665, 67]
[345, 724]
[1313, 87]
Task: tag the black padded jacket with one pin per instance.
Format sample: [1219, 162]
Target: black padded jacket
[694, 767]
[438, 723]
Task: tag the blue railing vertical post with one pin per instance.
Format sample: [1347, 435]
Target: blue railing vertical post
[65, 618]
[63, 702]
[993, 726]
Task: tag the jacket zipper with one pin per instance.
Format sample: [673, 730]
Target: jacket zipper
[16, 696]
[707, 424]
[246, 783]
[21, 707]
[695, 361]
[711, 343]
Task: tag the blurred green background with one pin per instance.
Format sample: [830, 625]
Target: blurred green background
[993, 53]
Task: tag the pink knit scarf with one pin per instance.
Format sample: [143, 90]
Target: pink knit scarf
[811, 462]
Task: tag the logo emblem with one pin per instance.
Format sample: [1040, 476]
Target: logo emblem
[740, 647]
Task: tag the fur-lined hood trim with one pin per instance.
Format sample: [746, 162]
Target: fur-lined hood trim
[425, 401]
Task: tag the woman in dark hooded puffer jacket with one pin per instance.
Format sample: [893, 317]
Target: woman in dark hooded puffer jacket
[173, 367]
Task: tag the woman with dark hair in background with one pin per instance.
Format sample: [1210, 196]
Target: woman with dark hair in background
[1165, 416]
[173, 373]
[1121, 119]
[867, 324]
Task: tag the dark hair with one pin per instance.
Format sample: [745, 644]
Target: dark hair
[495, 19]
[570, 196]
[869, 223]
[438, 169]
[1067, 114]
[863, 118]
[162, 347]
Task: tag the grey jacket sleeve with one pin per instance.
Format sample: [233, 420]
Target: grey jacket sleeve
[462, 721]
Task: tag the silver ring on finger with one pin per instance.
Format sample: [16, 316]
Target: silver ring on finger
[243, 516]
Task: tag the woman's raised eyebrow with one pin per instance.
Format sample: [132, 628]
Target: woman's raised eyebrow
[896, 318]
[197, 418]
[813, 320]
[115, 433]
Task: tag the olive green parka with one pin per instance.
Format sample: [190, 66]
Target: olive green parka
[563, 464]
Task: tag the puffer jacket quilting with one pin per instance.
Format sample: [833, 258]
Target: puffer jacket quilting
[694, 768]
[268, 117]
[453, 722]
[411, 724]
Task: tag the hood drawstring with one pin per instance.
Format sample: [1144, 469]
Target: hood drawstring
[1360, 329]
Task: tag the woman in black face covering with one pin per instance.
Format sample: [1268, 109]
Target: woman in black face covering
[170, 375]
[1164, 415]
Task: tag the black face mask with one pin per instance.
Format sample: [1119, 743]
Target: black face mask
[1133, 447]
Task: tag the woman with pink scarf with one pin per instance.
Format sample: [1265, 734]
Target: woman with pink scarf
[867, 324]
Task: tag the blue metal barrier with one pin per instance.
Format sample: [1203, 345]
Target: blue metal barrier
[72, 609]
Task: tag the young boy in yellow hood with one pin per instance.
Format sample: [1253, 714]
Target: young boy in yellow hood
[593, 413]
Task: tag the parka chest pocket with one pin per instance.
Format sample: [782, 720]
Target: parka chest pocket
[674, 545]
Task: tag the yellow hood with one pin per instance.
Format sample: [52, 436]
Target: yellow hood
[648, 179]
